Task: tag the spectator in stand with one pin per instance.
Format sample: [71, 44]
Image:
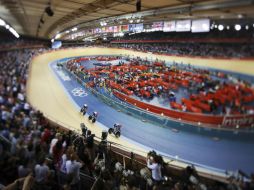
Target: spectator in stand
[103, 182]
[153, 163]
[58, 137]
[42, 173]
[73, 166]
[90, 144]
[58, 150]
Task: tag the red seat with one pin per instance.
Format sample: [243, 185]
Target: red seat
[203, 106]
[175, 105]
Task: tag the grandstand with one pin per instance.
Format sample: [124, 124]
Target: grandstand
[126, 94]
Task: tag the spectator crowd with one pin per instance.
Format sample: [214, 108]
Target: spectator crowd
[228, 50]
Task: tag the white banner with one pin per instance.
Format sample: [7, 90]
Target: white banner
[200, 25]
[139, 27]
[183, 25]
[157, 25]
[169, 26]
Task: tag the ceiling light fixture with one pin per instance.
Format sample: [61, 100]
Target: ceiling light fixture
[221, 27]
[2, 22]
[239, 16]
[74, 29]
[238, 27]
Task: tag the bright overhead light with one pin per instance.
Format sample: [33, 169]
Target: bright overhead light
[221, 27]
[8, 27]
[247, 27]
[131, 21]
[57, 36]
[228, 27]
[52, 40]
[240, 16]
[238, 27]
[2, 22]
[74, 29]
[103, 23]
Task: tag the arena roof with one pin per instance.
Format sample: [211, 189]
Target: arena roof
[31, 18]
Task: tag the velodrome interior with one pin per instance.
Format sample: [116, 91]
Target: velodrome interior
[127, 94]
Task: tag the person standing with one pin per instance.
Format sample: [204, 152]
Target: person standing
[153, 163]
[73, 169]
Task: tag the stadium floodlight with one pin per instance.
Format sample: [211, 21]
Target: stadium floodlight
[57, 36]
[238, 27]
[14, 32]
[221, 27]
[103, 23]
[2, 22]
[8, 27]
[74, 29]
[239, 16]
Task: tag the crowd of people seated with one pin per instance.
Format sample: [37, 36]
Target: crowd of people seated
[37, 155]
[183, 43]
[22, 43]
[228, 50]
[214, 34]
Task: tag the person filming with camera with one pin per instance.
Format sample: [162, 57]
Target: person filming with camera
[153, 163]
